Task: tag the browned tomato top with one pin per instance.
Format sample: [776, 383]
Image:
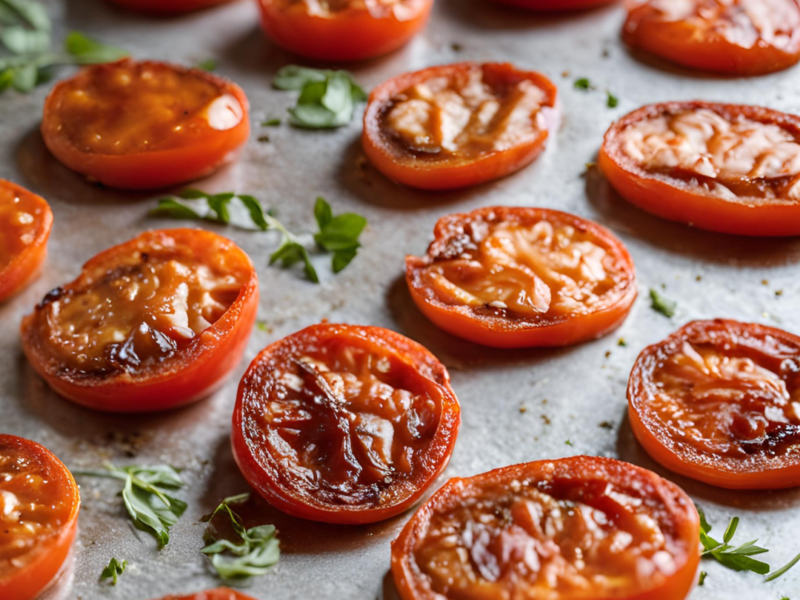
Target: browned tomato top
[576, 529]
[726, 151]
[37, 500]
[21, 217]
[378, 8]
[463, 113]
[132, 107]
[723, 389]
[133, 310]
[528, 264]
[347, 415]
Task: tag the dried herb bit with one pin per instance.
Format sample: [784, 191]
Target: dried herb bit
[661, 304]
[568, 443]
[583, 84]
[113, 570]
[612, 101]
[271, 123]
[338, 234]
[702, 579]
[258, 550]
[146, 494]
[327, 98]
[622, 342]
[207, 65]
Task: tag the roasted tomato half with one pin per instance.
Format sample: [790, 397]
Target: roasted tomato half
[25, 223]
[166, 7]
[722, 167]
[216, 594]
[554, 5]
[39, 505]
[740, 37]
[522, 277]
[580, 528]
[151, 324]
[344, 424]
[332, 30]
[719, 401]
[458, 125]
[143, 125]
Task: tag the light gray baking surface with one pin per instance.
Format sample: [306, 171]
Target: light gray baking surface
[709, 275]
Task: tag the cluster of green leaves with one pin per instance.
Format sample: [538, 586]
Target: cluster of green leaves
[114, 569]
[146, 494]
[25, 32]
[737, 558]
[257, 550]
[327, 98]
[337, 234]
[662, 304]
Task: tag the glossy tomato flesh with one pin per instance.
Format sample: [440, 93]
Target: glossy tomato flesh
[39, 506]
[142, 125]
[215, 594]
[555, 5]
[336, 30]
[740, 37]
[151, 324]
[520, 277]
[722, 167]
[25, 223]
[717, 401]
[458, 125]
[166, 7]
[580, 528]
[344, 424]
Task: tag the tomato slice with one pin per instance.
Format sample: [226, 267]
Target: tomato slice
[721, 167]
[215, 594]
[39, 504]
[144, 125]
[333, 30]
[580, 528]
[151, 324]
[719, 401]
[554, 5]
[458, 125]
[344, 424]
[166, 7]
[25, 223]
[522, 277]
[740, 37]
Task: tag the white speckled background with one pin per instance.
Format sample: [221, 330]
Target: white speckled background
[582, 386]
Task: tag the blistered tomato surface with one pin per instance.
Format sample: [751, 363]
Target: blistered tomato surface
[747, 37]
[215, 594]
[466, 123]
[142, 310]
[522, 276]
[38, 515]
[580, 528]
[720, 401]
[344, 424]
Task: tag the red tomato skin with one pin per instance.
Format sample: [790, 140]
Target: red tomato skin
[215, 594]
[157, 169]
[166, 7]
[784, 478]
[653, 195]
[678, 587]
[352, 36]
[464, 173]
[554, 5]
[679, 45]
[219, 350]
[40, 573]
[460, 322]
[27, 265]
[264, 478]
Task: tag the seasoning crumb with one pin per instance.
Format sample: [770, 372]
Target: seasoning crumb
[523, 409]
[456, 47]
[264, 139]
[622, 342]
[546, 420]
[699, 278]
[608, 353]
[765, 282]
[565, 74]
[607, 425]
[779, 292]
[544, 401]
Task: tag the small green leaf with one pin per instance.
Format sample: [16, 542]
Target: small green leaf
[25, 78]
[612, 101]
[342, 258]
[207, 65]
[322, 213]
[113, 570]
[702, 579]
[87, 51]
[271, 123]
[583, 84]
[294, 77]
[20, 40]
[731, 530]
[661, 304]
[256, 211]
[779, 572]
[168, 207]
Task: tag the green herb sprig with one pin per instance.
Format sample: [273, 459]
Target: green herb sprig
[258, 550]
[114, 569]
[146, 494]
[26, 32]
[662, 304]
[327, 98]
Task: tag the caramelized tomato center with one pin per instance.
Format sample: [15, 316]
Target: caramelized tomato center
[33, 506]
[464, 115]
[528, 271]
[730, 156]
[745, 23]
[350, 425]
[137, 314]
[20, 219]
[129, 108]
[549, 540]
[729, 401]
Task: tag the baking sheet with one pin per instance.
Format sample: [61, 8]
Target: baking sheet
[575, 394]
